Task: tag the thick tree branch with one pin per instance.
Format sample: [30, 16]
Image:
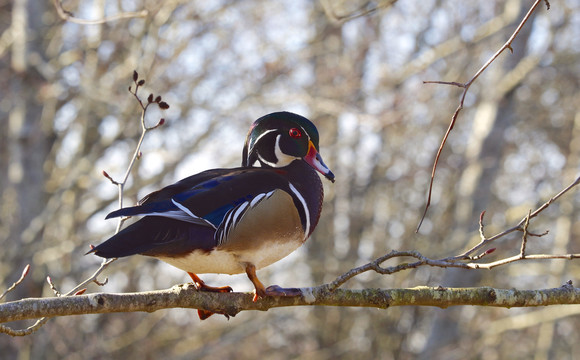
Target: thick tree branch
[185, 296]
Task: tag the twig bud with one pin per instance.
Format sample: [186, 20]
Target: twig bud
[158, 99]
[489, 251]
[25, 271]
[163, 105]
[141, 82]
[80, 292]
[150, 98]
[135, 75]
[161, 122]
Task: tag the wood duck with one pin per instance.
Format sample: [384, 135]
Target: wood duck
[230, 221]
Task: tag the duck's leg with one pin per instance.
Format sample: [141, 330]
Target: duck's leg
[201, 286]
[273, 290]
[260, 290]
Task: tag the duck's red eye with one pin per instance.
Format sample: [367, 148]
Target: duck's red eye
[295, 133]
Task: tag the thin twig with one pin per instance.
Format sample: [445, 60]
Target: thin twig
[93, 278]
[52, 287]
[518, 227]
[375, 265]
[81, 288]
[525, 235]
[466, 86]
[466, 259]
[480, 256]
[481, 233]
[17, 282]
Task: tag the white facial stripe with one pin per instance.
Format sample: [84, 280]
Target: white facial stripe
[281, 158]
[306, 212]
[252, 143]
[305, 132]
[259, 137]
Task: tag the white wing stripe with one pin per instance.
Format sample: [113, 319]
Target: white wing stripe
[256, 199]
[188, 212]
[239, 213]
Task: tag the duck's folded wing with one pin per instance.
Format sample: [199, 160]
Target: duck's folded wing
[157, 236]
[162, 203]
[185, 218]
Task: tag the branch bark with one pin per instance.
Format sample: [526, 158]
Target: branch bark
[185, 296]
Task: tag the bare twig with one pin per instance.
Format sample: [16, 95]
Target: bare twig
[466, 86]
[485, 253]
[81, 288]
[441, 263]
[52, 287]
[69, 16]
[144, 129]
[17, 282]
[485, 241]
[466, 259]
[481, 233]
[525, 235]
[93, 278]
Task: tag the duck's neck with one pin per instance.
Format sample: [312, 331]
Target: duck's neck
[307, 183]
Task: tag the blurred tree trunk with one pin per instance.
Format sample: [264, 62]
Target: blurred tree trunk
[564, 232]
[326, 48]
[344, 216]
[29, 140]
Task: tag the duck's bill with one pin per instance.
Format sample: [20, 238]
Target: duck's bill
[314, 159]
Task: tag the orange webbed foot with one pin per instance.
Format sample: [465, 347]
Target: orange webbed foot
[201, 286]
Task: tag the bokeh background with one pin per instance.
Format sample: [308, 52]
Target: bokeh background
[356, 68]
